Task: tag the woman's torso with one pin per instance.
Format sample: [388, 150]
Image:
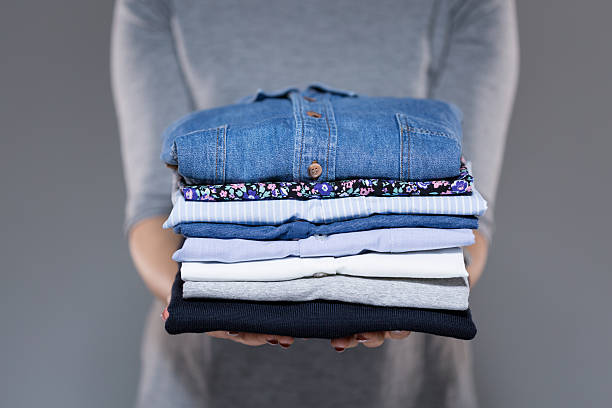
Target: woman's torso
[229, 49]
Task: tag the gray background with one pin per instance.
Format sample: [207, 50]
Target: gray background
[73, 305]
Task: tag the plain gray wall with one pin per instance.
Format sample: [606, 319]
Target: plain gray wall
[73, 305]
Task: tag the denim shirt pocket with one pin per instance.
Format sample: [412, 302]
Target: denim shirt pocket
[202, 155]
[426, 152]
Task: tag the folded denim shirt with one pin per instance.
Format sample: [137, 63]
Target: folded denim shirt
[305, 229]
[318, 133]
[306, 190]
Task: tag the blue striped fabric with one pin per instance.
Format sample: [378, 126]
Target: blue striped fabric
[276, 212]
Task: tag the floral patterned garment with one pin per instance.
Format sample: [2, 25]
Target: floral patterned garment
[300, 190]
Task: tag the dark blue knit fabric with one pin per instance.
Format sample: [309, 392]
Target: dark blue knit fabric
[315, 319]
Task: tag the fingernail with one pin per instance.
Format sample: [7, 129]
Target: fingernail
[339, 349]
[396, 331]
[272, 342]
[361, 339]
[285, 345]
[165, 314]
[232, 333]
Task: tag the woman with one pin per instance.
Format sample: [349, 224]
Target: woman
[169, 58]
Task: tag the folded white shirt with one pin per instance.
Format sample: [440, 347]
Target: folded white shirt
[439, 263]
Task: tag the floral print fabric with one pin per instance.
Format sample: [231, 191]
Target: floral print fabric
[299, 190]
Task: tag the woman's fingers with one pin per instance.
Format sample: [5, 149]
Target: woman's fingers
[398, 334]
[283, 341]
[165, 314]
[371, 339]
[253, 339]
[256, 339]
[344, 343]
[368, 339]
[223, 334]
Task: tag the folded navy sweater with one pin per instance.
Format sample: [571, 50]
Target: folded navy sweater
[314, 319]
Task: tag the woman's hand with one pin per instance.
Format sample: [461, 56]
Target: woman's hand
[254, 339]
[249, 339]
[370, 339]
[478, 252]
[151, 248]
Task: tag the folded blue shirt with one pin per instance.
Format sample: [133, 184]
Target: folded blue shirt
[305, 229]
[275, 212]
[390, 240]
[279, 136]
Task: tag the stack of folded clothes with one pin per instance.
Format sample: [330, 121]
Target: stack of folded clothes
[320, 213]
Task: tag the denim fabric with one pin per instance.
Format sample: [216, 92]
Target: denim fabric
[275, 212]
[306, 190]
[305, 229]
[276, 136]
[318, 319]
[350, 243]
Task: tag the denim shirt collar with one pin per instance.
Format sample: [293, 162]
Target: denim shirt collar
[284, 93]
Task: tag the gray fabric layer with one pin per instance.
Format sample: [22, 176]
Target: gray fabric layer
[170, 57]
[449, 293]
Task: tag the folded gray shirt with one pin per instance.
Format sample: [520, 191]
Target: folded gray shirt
[450, 293]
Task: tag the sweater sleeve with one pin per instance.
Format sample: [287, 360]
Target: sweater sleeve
[150, 92]
[478, 71]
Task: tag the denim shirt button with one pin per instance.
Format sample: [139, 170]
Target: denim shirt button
[309, 99]
[314, 114]
[315, 170]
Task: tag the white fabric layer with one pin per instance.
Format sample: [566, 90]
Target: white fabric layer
[439, 263]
